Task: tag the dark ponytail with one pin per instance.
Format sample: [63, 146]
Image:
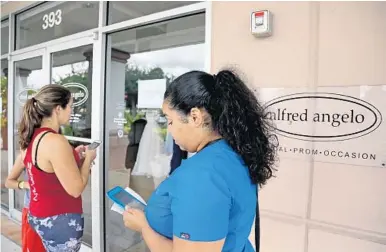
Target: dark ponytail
[236, 115]
[30, 120]
[39, 107]
[241, 122]
[239, 119]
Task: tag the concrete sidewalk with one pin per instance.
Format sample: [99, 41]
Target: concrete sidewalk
[9, 246]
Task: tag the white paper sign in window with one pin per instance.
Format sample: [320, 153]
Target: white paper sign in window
[151, 93]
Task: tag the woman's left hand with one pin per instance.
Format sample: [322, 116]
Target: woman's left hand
[134, 219]
[80, 150]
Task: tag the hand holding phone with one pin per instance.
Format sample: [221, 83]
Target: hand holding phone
[123, 198]
[90, 151]
[94, 145]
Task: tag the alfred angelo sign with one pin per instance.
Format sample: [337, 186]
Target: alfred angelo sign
[338, 116]
[334, 124]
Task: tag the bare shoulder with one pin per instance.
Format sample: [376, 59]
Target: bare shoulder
[56, 142]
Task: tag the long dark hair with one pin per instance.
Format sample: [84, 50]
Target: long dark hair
[38, 107]
[235, 114]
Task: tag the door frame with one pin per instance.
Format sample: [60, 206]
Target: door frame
[13, 212]
[96, 132]
[96, 214]
[99, 36]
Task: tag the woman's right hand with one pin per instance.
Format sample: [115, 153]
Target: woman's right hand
[90, 154]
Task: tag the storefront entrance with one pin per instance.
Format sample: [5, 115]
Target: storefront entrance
[69, 64]
[117, 59]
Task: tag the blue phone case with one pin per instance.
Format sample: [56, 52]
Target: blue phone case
[111, 194]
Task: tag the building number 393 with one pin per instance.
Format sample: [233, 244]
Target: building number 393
[51, 19]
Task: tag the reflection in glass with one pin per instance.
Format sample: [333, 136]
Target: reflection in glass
[138, 146]
[52, 20]
[4, 132]
[29, 77]
[73, 69]
[126, 10]
[4, 37]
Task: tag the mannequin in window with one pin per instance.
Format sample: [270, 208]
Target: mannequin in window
[135, 136]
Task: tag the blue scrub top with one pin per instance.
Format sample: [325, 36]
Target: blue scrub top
[208, 198]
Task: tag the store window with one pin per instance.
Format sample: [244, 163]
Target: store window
[125, 10]
[4, 37]
[73, 69]
[53, 20]
[138, 149]
[4, 132]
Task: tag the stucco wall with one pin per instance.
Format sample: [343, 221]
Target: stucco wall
[314, 206]
[12, 6]
[327, 43]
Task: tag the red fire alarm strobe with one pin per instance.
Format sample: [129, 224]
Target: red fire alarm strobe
[261, 23]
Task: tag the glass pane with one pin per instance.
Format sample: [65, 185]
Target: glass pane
[53, 20]
[29, 77]
[126, 10]
[73, 69]
[138, 147]
[4, 132]
[4, 37]
[86, 200]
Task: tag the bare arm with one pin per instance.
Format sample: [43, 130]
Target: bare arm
[155, 241]
[135, 219]
[158, 243]
[73, 179]
[17, 169]
[180, 245]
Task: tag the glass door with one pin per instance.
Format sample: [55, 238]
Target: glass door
[72, 68]
[70, 65]
[29, 74]
[140, 63]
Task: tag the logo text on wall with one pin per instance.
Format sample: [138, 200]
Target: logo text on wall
[336, 117]
[329, 126]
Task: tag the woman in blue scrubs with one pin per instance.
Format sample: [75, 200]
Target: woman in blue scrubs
[208, 204]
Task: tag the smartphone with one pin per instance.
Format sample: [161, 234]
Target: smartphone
[94, 145]
[123, 198]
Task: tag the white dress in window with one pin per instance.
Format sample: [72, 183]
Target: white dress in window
[152, 159]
